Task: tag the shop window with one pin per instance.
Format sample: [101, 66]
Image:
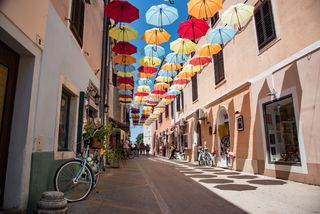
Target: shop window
[65, 121]
[77, 20]
[264, 22]
[218, 67]
[194, 80]
[281, 132]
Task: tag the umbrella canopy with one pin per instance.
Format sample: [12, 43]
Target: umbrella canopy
[150, 61]
[164, 79]
[125, 99]
[121, 11]
[124, 74]
[161, 85]
[144, 81]
[170, 97]
[144, 75]
[125, 96]
[200, 60]
[156, 36]
[209, 49]
[237, 14]
[154, 51]
[126, 68]
[204, 8]
[147, 69]
[174, 92]
[221, 34]
[158, 91]
[183, 46]
[124, 33]
[140, 99]
[125, 80]
[181, 81]
[141, 94]
[124, 48]
[151, 103]
[161, 15]
[189, 71]
[171, 67]
[164, 73]
[193, 29]
[176, 87]
[125, 87]
[125, 92]
[174, 58]
[124, 59]
[159, 96]
[142, 88]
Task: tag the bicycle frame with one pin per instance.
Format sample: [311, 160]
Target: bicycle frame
[84, 162]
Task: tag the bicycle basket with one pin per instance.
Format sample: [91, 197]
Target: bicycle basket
[94, 143]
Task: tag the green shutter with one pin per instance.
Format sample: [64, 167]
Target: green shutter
[80, 121]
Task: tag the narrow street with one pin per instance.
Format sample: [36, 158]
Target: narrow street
[156, 185]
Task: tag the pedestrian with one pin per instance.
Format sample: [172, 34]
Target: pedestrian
[147, 149]
[173, 151]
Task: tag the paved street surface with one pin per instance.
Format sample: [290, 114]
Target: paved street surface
[156, 185]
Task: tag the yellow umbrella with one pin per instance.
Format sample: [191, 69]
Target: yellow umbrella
[156, 36]
[171, 67]
[150, 61]
[237, 14]
[143, 88]
[125, 99]
[124, 59]
[164, 79]
[166, 101]
[124, 74]
[157, 96]
[209, 49]
[161, 86]
[124, 33]
[125, 87]
[183, 46]
[204, 8]
[140, 99]
[144, 75]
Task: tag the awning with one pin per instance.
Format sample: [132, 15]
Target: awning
[120, 125]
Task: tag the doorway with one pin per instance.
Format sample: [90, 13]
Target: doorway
[223, 137]
[9, 61]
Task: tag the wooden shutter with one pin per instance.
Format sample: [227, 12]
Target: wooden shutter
[167, 111]
[178, 102]
[77, 20]
[80, 121]
[218, 67]
[182, 100]
[114, 79]
[172, 109]
[264, 22]
[194, 87]
[160, 118]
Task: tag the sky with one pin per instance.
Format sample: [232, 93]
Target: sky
[140, 25]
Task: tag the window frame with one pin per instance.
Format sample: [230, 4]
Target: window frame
[77, 14]
[194, 82]
[219, 71]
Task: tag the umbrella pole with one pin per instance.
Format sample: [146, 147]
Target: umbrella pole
[239, 28]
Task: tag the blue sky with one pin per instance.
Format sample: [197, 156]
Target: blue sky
[140, 25]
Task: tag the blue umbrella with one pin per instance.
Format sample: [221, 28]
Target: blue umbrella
[127, 92]
[175, 58]
[220, 35]
[126, 68]
[173, 92]
[154, 51]
[164, 73]
[161, 15]
[144, 81]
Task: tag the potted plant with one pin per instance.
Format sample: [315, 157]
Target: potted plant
[99, 138]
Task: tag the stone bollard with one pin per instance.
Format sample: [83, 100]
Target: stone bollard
[52, 202]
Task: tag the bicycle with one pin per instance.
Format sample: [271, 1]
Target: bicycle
[205, 157]
[76, 178]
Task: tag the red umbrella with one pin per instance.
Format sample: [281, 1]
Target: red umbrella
[125, 80]
[147, 69]
[193, 28]
[152, 103]
[170, 97]
[181, 81]
[124, 48]
[158, 91]
[200, 60]
[141, 94]
[121, 11]
[125, 96]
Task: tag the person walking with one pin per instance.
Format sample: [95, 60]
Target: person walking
[147, 149]
[173, 151]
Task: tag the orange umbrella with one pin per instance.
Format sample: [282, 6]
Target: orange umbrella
[124, 59]
[161, 85]
[204, 8]
[125, 87]
[200, 60]
[156, 36]
[209, 49]
[171, 67]
[143, 75]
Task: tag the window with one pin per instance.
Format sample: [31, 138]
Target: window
[64, 121]
[182, 100]
[114, 79]
[178, 102]
[194, 87]
[172, 110]
[167, 111]
[218, 67]
[265, 29]
[77, 20]
[160, 118]
[156, 124]
[214, 19]
[281, 132]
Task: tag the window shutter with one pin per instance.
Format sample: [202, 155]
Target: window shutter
[178, 102]
[172, 109]
[218, 67]
[77, 20]
[182, 100]
[167, 111]
[194, 88]
[80, 121]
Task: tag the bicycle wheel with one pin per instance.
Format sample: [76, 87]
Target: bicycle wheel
[97, 169]
[64, 180]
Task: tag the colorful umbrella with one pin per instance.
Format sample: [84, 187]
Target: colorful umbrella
[181, 81]
[159, 96]
[158, 91]
[154, 51]
[220, 35]
[128, 92]
[161, 85]
[126, 96]
[150, 61]
[209, 49]
[144, 81]
[176, 87]
[124, 48]
[200, 60]
[126, 68]
[189, 71]
[164, 73]
[164, 79]
[124, 59]
[125, 87]
[204, 8]
[171, 67]
[144, 75]
[156, 36]
[141, 94]
[174, 92]
[183, 46]
[174, 58]
[125, 74]
[142, 88]
[193, 29]
[121, 11]
[237, 14]
[151, 103]
[124, 33]
[125, 80]
[170, 97]
[147, 69]
[161, 15]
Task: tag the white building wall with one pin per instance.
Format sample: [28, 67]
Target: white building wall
[147, 136]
